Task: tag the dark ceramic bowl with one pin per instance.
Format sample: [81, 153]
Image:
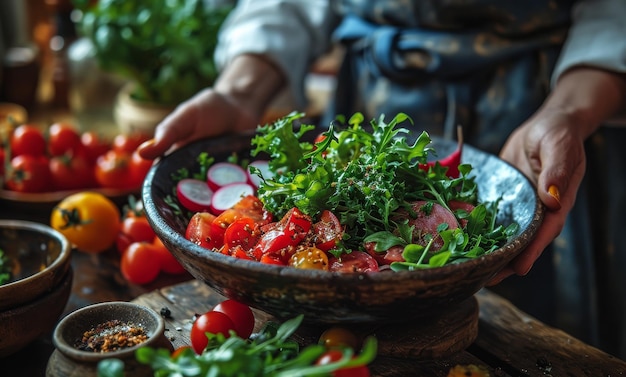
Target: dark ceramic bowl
[40, 258]
[326, 297]
[22, 324]
[67, 360]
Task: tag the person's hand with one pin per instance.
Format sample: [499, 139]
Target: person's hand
[209, 113]
[235, 104]
[549, 151]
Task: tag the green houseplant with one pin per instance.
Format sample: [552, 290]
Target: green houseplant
[163, 47]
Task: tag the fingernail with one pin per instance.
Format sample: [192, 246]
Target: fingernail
[554, 192]
[147, 143]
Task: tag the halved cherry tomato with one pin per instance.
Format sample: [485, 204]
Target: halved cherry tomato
[309, 258]
[354, 262]
[272, 259]
[201, 231]
[328, 231]
[140, 264]
[283, 238]
[241, 233]
[89, 220]
[210, 322]
[241, 315]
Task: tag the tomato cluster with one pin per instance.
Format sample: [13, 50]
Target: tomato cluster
[143, 255]
[62, 158]
[248, 231]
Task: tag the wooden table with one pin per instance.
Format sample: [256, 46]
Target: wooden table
[509, 342]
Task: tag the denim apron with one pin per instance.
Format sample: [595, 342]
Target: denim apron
[485, 65]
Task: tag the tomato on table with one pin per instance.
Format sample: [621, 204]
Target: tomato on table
[140, 264]
[94, 144]
[210, 322]
[62, 139]
[137, 228]
[28, 173]
[339, 337]
[71, 172]
[128, 142]
[112, 170]
[334, 355]
[241, 315]
[27, 139]
[89, 220]
[169, 263]
[138, 168]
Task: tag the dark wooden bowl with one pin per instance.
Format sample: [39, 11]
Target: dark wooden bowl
[326, 297]
[40, 257]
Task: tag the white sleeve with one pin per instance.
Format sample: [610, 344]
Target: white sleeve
[597, 37]
[289, 33]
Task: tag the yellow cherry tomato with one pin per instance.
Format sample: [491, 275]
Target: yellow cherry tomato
[309, 258]
[89, 220]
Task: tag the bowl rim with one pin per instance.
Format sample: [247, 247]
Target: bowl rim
[62, 259]
[70, 320]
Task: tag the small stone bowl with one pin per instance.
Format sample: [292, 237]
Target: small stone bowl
[67, 360]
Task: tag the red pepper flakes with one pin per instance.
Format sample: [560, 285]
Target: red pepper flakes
[111, 336]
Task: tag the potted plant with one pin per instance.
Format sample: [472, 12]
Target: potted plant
[163, 48]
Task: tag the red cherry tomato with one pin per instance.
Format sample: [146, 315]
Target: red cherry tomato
[354, 262]
[200, 230]
[241, 315]
[95, 145]
[138, 229]
[139, 168]
[29, 173]
[287, 233]
[328, 231]
[139, 263]
[169, 264]
[27, 139]
[335, 355]
[240, 234]
[62, 139]
[71, 172]
[128, 142]
[122, 242]
[112, 170]
[210, 322]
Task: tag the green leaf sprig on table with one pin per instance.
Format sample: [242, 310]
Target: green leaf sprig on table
[364, 177]
[270, 353]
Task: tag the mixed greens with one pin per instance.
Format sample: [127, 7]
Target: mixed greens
[365, 178]
[5, 268]
[270, 353]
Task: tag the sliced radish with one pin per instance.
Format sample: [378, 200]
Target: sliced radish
[224, 173]
[264, 168]
[194, 194]
[227, 196]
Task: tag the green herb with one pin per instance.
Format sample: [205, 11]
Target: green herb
[165, 47]
[270, 353]
[364, 178]
[6, 266]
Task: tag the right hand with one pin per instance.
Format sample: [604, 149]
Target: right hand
[208, 113]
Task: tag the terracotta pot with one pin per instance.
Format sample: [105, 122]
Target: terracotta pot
[133, 116]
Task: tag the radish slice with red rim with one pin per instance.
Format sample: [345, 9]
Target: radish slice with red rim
[227, 196]
[225, 173]
[264, 168]
[194, 194]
